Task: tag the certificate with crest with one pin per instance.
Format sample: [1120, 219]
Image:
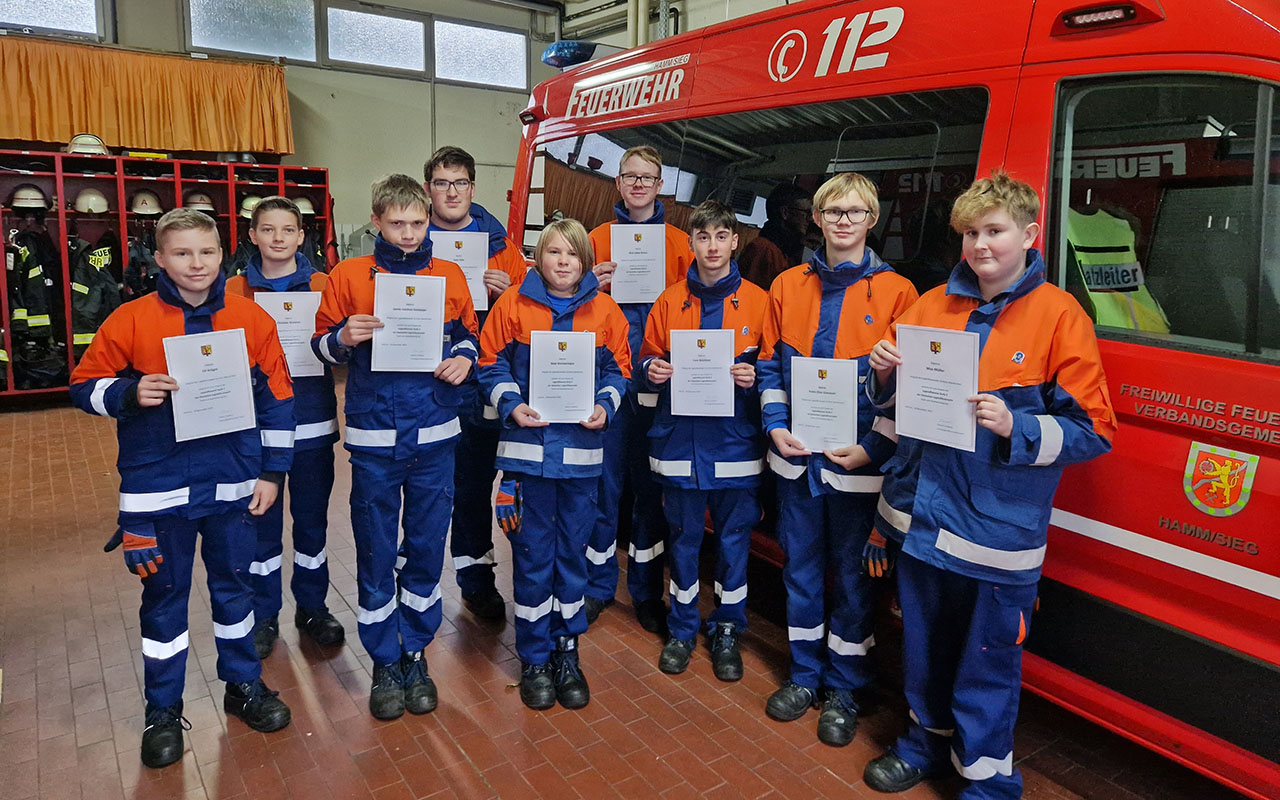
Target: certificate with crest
[411, 309]
[939, 374]
[295, 316]
[562, 375]
[641, 254]
[469, 250]
[824, 402]
[701, 384]
[215, 390]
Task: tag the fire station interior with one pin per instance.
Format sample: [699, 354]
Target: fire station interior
[1140, 164]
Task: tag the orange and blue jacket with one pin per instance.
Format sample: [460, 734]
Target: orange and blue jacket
[315, 406]
[158, 475]
[820, 311]
[706, 452]
[395, 414]
[558, 450]
[679, 259]
[504, 255]
[985, 514]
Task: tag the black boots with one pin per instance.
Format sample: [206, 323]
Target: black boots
[839, 719]
[652, 616]
[259, 707]
[419, 690]
[571, 686]
[319, 626]
[675, 656]
[265, 633]
[162, 738]
[726, 661]
[594, 606]
[537, 687]
[888, 773]
[789, 703]
[386, 694]
[487, 605]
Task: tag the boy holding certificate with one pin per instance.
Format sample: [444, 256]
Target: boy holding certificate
[213, 484]
[973, 524]
[704, 451]
[653, 256]
[824, 318]
[278, 268]
[456, 223]
[402, 402]
[555, 364]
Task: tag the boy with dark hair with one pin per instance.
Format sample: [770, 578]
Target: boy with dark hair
[170, 491]
[973, 525]
[450, 177]
[401, 431]
[276, 229]
[707, 461]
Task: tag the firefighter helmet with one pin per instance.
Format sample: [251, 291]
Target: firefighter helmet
[146, 202]
[87, 144]
[248, 204]
[92, 201]
[28, 196]
[200, 201]
[304, 206]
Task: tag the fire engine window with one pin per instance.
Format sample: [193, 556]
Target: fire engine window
[921, 150]
[1159, 224]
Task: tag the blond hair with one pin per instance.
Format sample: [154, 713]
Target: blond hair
[574, 235]
[849, 183]
[398, 191]
[184, 219]
[1000, 191]
[645, 153]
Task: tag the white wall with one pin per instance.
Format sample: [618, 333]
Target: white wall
[363, 126]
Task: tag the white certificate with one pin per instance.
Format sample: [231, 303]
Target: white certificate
[411, 309]
[215, 391]
[469, 250]
[824, 402]
[641, 254]
[562, 375]
[295, 316]
[938, 375]
[701, 385]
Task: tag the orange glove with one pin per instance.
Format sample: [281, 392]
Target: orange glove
[877, 558]
[141, 553]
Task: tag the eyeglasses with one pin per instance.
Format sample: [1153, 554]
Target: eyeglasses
[647, 181]
[443, 186]
[855, 215]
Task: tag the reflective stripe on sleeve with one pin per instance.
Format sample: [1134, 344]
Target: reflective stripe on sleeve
[773, 396]
[1050, 440]
[613, 395]
[500, 390]
[281, 439]
[98, 398]
[898, 519]
[886, 428]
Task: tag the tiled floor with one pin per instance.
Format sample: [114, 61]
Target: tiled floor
[70, 719]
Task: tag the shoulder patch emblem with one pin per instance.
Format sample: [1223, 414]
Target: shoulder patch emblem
[868, 319]
[1019, 357]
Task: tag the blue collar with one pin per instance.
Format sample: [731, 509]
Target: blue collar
[488, 223]
[717, 291]
[964, 283]
[533, 288]
[216, 300]
[846, 273]
[297, 281]
[659, 214]
[393, 259]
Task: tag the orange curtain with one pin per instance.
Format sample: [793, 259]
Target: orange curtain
[590, 198]
[50, 91]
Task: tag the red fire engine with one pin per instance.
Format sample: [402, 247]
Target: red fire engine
[1152, 129]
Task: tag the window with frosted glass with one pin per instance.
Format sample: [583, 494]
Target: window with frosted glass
[481, 55]
[279, 28]
[72, 16]
[377, 40]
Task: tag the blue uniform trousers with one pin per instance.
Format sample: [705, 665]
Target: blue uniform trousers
[626, 468]
[471, 537]
[227, 543]
[733, 512]
[391, 622]
[549, 562]
[823, 536]
[310, 481]
[962, 674]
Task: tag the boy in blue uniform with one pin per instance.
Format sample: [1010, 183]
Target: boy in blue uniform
[401, 431]
[451, 183]
[277, 230]
[973, 525]
[836, 306]
[171, 491]
[705, 461]
[554, 467]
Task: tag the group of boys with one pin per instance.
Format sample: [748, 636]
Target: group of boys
[968, 552]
